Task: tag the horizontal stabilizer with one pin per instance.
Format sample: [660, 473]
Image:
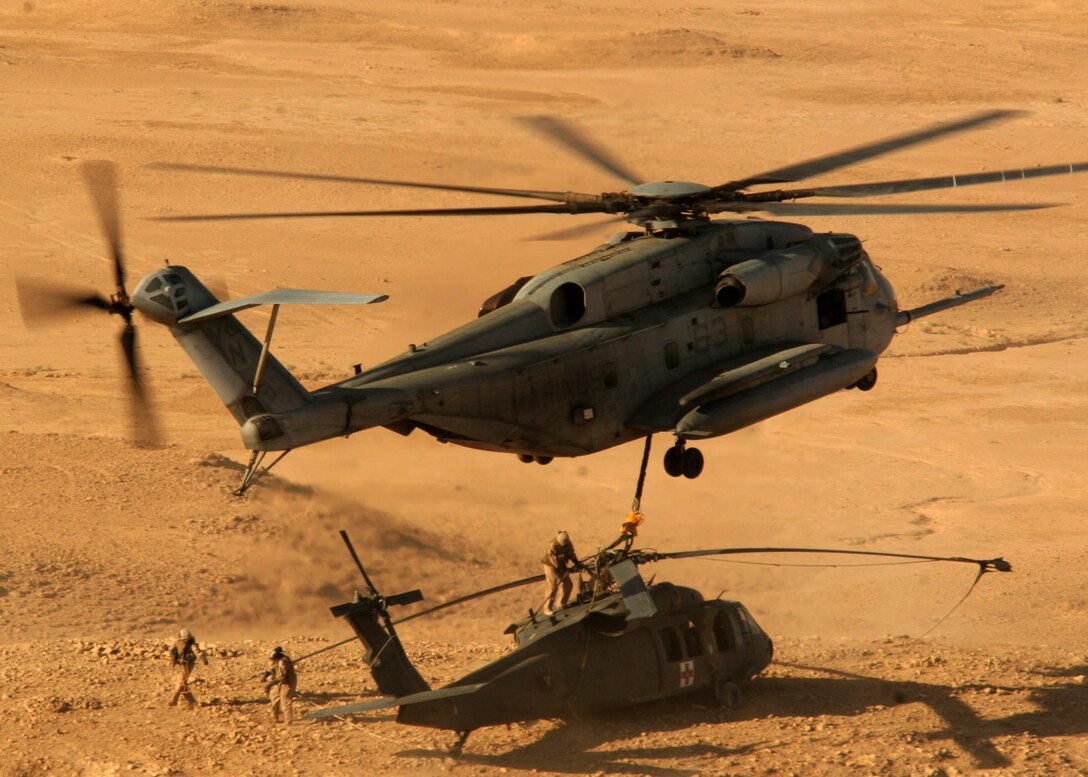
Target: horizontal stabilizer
[399, 701]
[283, 297]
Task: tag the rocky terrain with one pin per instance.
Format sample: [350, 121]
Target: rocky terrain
[972, 444]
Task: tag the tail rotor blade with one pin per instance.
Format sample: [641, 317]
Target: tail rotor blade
[145, 427]
[128, 348]
[101, 178]
[42, 302]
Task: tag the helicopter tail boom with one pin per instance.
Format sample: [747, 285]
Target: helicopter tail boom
[275, 411]
[247, 379]
[390, 666]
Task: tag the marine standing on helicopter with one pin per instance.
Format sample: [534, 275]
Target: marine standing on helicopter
[183, 655]
[280, 683]
[559, 561]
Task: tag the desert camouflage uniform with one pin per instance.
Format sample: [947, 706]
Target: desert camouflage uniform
[559, 562]
[281, 682]
[183, 655]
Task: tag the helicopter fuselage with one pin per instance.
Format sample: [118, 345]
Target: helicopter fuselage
[598, 351]
[697, 331]
[591, 655]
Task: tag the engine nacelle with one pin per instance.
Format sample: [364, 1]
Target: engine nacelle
[785, 272]
[771, 277]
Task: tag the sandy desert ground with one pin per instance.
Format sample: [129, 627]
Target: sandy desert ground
[972, 444]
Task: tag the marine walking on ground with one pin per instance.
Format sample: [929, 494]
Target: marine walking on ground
[183, 656]
[280, 684]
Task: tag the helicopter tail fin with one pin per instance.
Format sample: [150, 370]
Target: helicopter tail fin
[248, 379]
[393, 671]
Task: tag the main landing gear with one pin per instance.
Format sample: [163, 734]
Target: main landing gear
[525, 458]
[868, 380]
[681, 460]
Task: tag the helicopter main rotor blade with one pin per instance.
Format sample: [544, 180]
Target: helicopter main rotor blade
[478, 595]
[581, 145]
[824, 164]
[577, 231]
[998, 564]
[642, 557]
[358, 563]
[867, 209]
[531, 194]
[923, 184]
[574, 207]
[101, 178]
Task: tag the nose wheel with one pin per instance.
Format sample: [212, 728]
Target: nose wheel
[681, 460]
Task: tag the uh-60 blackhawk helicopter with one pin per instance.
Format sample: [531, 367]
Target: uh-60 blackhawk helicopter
[620, 642]
[690, 325]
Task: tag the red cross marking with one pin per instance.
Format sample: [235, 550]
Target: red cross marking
[687, 673]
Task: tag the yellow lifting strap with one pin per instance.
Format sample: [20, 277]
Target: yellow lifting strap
[633, 521]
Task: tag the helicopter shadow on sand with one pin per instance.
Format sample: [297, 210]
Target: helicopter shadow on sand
[579, 745]
[849, 694]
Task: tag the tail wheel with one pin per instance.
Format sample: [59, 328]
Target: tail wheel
[728, 694]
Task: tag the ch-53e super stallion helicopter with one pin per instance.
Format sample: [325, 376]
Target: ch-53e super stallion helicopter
[621, 642]
[691, 326]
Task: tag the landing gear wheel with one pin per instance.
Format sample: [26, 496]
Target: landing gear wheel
[525, 458]
[674, 461]
[691, 464]
[544, 459]
[728, 694]
[867, 381]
